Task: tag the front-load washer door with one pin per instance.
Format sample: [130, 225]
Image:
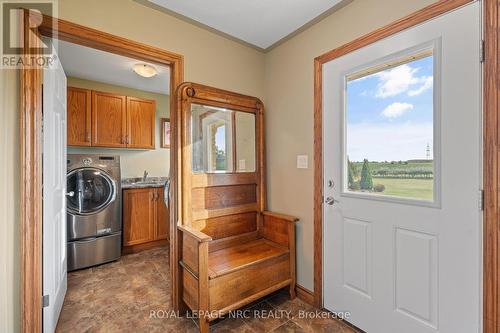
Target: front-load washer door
[90, 190]
[91, 193]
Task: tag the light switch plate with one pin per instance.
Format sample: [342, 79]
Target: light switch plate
[302, 161]
[242, 165]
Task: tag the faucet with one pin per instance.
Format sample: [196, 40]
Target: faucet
[145, 176]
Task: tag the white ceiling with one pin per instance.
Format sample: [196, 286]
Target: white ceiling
[91, 64]
[258, 22]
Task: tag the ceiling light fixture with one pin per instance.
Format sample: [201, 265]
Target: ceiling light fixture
[145, 70]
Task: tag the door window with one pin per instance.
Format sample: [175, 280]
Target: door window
[389, 112]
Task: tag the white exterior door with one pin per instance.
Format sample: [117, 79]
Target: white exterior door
[402, 179]
[54, 193]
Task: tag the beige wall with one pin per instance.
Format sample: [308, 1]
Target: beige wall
[286, 86]
[9, 202]
[133, 162]
[208, 58]
[289, 104]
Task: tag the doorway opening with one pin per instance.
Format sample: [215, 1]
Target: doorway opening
[87, 190]
[110, 163]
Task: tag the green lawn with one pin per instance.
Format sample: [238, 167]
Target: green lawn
[407, 188]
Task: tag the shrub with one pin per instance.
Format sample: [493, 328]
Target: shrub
[354, 186]
[379, 188]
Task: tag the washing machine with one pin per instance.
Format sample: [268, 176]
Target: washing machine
[94, 212]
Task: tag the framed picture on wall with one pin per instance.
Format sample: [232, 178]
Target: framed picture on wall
[165, 133]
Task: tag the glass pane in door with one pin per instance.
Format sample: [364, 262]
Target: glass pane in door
[389, 112]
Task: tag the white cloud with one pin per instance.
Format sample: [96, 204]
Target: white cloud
[396, 110]
[427, 84]
[388, 141]
[396, 81]
[401, 79]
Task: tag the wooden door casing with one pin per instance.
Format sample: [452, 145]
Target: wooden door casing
[79, 117]
[140, 123]
[138, 216]
[109, 120]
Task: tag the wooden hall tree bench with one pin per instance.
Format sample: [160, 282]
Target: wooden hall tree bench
[230, 250]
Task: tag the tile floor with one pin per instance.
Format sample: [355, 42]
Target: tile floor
[125, 295]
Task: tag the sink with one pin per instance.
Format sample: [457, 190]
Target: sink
[147, 183]
[138, 182]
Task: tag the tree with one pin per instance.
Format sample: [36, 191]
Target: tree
[350, 179]
[350, 173]
[366, 182]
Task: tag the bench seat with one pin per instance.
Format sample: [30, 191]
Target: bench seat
[238, 257]
[238, 270]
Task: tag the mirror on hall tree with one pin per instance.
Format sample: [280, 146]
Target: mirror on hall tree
[223, 140]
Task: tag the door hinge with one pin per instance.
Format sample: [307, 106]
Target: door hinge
[481, 200]
[482, 51]
[45, 301]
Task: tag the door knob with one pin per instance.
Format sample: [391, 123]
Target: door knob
[70, 194]
[330, 201]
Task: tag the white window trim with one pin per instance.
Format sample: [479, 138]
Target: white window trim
[434, 46]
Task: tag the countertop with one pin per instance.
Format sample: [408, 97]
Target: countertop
[140, 183]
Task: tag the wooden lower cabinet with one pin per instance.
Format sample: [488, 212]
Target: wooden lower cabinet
[145, 218]
[162, 217]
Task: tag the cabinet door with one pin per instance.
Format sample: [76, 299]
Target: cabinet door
[78, 115]
[109, 121]
[138, 216]
[162, 216]
[140, 123]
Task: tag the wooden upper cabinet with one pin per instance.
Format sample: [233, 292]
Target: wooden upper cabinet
[101, 119]
[141, 123]
[109, 120]
[79, 117]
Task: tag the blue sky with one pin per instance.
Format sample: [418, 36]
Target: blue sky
[390, 113]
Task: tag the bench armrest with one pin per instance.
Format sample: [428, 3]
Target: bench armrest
[193, 233]
[279, 228]
[286, 218]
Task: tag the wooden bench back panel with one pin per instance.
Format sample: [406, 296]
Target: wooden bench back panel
[213, 179]
[216, 197]
[227, 226]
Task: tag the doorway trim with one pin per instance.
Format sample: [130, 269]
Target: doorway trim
[491, 145]
[31, 152]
